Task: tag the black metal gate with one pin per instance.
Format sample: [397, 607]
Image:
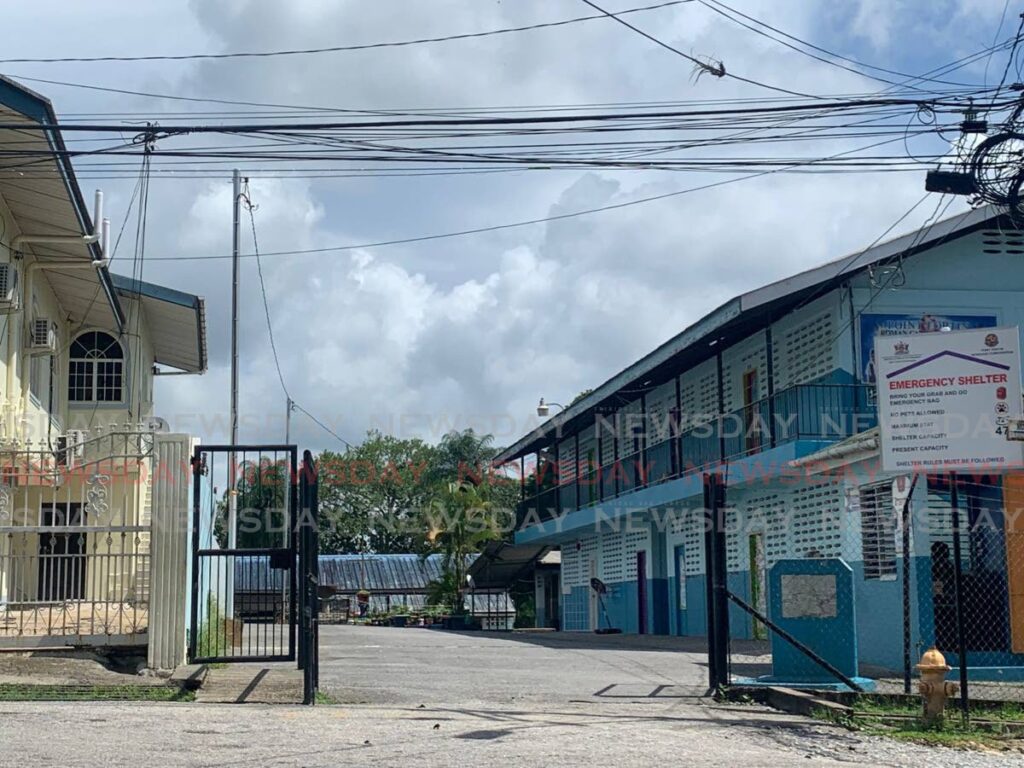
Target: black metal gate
[244, 553]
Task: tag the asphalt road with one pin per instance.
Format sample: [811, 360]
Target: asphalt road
[419, 697]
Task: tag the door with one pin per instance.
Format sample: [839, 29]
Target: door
[551, 608]
[1013, 495]
[641, 591]
[61, 554]
[758, 583]
[680, 597]
[594, 620]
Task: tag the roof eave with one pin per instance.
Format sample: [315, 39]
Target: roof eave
[39, 108]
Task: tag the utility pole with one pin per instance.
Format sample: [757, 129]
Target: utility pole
[289, 407]
[236, 184]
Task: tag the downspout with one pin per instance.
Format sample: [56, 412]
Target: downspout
[101, 234]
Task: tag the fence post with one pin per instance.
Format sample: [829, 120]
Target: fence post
[905, 523]
[958, 592]
[717, 588]
[309, 576]
[169, 551]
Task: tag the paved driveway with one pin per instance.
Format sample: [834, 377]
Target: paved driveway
[377, 665]
[419, 697]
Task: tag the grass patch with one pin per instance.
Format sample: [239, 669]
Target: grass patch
[959, 738]
[21, 692]
[990, 727]
[213, 636]
[322, 697]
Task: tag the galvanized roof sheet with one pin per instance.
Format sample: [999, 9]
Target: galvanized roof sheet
[397, 574]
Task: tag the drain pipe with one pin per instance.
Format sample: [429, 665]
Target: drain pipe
[100, 234]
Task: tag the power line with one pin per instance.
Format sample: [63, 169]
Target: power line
[528, 222]
[1009, 60]
[717, 7]
[716, 69]
[918, 238]
[251, 207]
[336, 48]
[460, 110]
[500, 120]
[322, 426]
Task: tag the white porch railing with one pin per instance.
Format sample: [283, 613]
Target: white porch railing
[75, 539]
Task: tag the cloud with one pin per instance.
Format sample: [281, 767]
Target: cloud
[472, 330]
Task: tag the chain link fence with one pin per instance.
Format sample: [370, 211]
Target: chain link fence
[846, 575]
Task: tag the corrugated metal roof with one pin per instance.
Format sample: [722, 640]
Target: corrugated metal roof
[477, 604]
[379, 573]
[501, 564]
[396, 574]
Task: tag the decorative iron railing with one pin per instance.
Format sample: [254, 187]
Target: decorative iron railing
[74, 538]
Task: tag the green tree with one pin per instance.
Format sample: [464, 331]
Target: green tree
[262, 490]
[371, 496]
[469, 457]
[461, 519]
[580, 396]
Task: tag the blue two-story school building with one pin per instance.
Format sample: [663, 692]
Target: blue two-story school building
[775, 389]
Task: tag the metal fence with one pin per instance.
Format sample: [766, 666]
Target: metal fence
[846, 576]
[74, 540]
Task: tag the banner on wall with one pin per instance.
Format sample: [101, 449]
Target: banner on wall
[880, 325]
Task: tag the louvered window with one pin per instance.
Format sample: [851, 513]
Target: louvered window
[878, 531]
[660, 403]
[751, 356]
[1002, 241]
[805, 352]
[612, 569]
[816, 521]
[699, 394]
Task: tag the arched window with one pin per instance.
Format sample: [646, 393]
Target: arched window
[96, 369]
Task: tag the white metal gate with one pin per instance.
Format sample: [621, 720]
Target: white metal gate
[75, 532]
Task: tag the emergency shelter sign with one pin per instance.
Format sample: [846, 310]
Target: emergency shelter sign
[945, 399]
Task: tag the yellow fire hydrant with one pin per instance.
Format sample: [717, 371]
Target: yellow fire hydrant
[933, 687]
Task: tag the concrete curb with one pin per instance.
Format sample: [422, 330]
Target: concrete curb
[790, 700]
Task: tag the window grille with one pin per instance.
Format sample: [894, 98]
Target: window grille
[877, 531]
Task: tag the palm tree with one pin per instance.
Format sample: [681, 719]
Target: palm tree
[460, 521]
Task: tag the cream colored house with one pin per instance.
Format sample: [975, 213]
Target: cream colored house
[86, 467]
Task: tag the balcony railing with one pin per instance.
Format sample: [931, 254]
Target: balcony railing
[805, 411]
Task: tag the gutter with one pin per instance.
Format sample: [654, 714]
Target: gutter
[866, 442]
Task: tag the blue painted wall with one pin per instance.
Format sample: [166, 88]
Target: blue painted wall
[948, 279]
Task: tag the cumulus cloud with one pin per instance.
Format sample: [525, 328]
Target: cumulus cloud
[471, 331]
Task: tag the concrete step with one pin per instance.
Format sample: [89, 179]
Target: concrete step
[251, 684]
